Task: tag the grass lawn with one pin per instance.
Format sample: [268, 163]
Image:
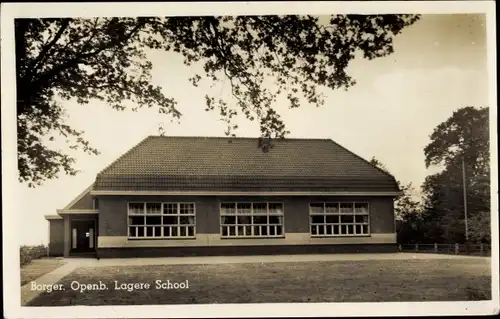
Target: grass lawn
[39, 267]
[338, 281]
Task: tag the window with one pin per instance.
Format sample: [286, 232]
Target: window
[251, 219]
[161, 220]
[339, 219]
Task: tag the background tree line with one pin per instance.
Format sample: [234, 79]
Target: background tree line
[438, 217]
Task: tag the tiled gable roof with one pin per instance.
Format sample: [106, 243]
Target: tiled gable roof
[225, 164]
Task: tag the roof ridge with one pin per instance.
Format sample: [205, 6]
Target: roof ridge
[123, 155]
[364, 160]
[239, 137]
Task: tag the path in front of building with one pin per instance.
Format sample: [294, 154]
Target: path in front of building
[27, 293]
[260, 259]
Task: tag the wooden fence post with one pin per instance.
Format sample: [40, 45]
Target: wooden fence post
[435, 247]
[456, 248]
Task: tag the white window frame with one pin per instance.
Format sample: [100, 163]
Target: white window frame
[331, 225]
[251, 224]
[162, 225]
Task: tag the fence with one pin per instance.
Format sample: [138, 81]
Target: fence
[455, 249]
[28, 253]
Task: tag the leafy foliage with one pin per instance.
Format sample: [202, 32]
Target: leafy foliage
[465, 135]
[479, 227]
[105, 59]
[440, 217]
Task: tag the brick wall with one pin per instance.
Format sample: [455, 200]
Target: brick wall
[113, 212]
[56, 240]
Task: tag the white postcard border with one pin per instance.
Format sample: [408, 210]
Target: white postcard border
[9, 164]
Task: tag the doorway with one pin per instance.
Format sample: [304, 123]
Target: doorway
[83, 236]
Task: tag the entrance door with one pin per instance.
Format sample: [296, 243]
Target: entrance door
[82, 235]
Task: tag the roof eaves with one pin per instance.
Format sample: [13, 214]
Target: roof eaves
[53, 217]
[364, 160]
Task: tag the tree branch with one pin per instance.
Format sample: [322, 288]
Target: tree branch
[49, 46]
[69, 63]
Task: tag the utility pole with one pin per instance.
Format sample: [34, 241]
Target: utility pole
[465, 199]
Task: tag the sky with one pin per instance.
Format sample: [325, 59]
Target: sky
[439, 65]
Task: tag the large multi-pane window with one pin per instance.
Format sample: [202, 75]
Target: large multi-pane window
[161, 220]
[339, 219]
[251, 219]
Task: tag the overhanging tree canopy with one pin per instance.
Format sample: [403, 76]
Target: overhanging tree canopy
[105, 59]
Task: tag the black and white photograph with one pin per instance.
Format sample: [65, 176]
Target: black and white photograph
[249, 159]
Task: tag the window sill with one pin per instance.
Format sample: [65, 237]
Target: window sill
[340, 236]
[161, 238]
[252, 237]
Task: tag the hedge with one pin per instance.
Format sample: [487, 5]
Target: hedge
[28, 253]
